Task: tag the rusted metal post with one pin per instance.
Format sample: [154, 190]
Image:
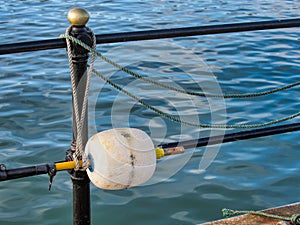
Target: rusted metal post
[81, 183]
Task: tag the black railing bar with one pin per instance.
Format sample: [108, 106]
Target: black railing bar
[10, 174]
[154, 34]
[194, 31]
[31, 46]
[232, 137]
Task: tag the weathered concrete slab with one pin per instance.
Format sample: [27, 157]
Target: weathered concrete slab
[250, 219]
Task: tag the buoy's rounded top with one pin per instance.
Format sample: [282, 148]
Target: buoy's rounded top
[78, 16]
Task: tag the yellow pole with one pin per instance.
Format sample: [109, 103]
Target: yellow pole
[66, 165]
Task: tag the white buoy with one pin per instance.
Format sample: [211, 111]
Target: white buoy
[120, 158]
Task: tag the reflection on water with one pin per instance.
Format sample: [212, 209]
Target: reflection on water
[36, 124]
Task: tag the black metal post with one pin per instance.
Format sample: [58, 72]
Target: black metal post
[81, 183]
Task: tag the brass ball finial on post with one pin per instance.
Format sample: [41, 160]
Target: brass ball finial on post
[78, 17]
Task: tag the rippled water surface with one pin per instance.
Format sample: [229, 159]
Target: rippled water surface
[36, 123]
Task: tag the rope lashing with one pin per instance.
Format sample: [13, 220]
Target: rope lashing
[295, 219]
[169, 87]
[171, 117]
[80, 115]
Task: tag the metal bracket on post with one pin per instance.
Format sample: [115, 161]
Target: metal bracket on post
[81, 184]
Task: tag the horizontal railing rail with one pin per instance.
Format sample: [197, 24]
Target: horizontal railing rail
[237, 136]
[154, 34]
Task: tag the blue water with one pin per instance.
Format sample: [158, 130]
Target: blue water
[36, 123]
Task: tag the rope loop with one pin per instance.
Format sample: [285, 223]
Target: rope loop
[177, 119]
[228, 212]
[172, 88]
[295, 219]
